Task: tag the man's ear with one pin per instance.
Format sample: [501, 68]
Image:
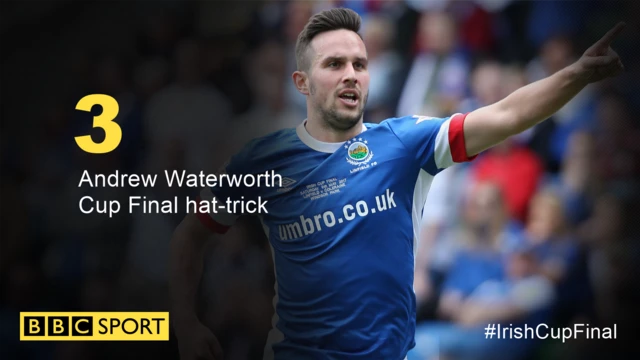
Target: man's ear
[300, 80]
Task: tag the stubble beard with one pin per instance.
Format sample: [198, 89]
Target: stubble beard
[333, 119]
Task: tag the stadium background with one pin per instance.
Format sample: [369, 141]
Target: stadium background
[194, 80]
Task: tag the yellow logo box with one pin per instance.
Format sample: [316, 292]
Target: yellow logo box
[94, 326]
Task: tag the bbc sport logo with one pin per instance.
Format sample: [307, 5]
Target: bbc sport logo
[94, 326]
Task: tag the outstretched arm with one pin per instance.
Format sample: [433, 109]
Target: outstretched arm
[531, 104]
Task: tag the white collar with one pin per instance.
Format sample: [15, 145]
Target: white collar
[317, 145]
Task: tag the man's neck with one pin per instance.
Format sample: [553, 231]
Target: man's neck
[324, 133]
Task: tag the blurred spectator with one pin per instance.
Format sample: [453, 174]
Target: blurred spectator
[611, 234]
[522, 297]
[617, 140]
[438, 246]
[550, 138]
[558, 253]
[477, 32]
[516, 169]
[438, 243]
[493, 279]
[149, 77]
[384, 68]
[485, 236]
[189, 110]
[576, 182]
[487, 82]
[405, 19]
[524, 294]
[270, 111]
[270, 16]
[546, 18]
[474, 19]
[437, 80]
[227, 75]
[514, 77]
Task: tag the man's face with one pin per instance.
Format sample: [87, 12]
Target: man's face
[338, 78]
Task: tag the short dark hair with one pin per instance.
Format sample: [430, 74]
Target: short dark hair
[327, 20]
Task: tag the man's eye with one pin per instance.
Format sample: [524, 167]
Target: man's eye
[333, 64]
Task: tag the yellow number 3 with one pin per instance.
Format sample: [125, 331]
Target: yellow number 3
[113, 132]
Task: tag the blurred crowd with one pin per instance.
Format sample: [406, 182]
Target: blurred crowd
[540, 229]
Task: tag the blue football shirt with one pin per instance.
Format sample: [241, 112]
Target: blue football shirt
[343, 230]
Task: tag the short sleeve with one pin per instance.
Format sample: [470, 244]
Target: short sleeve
[436, 143]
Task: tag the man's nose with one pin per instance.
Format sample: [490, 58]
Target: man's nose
[349, 75]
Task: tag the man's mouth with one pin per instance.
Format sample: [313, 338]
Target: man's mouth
[349, 97]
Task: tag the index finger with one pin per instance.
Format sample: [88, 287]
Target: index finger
[611, 34]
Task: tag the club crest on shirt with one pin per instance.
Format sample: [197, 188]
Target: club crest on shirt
[358, 152]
